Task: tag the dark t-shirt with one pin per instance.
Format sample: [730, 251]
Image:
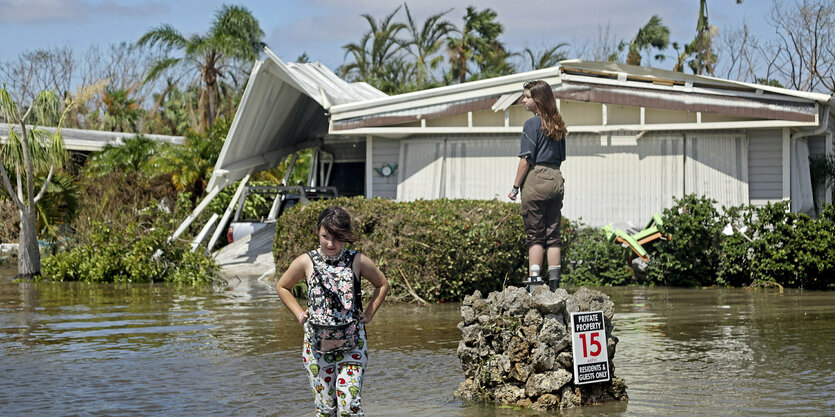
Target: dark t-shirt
[538, 148]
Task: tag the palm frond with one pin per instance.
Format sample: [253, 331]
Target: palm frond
[165, 35]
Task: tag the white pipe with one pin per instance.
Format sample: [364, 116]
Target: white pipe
[203, 232]
[227, 213]
[197, 210]
[824, 113]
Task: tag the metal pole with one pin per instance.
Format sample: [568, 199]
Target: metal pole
[228, 212]
[197, 210]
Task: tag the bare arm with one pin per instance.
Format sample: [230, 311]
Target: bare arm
[521, 171]
[288, 280]
[369, 271]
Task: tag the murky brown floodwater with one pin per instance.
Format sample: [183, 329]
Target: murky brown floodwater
[81, 349]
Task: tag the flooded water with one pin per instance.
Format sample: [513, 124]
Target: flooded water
[82, 349]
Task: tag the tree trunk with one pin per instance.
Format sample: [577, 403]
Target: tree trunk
[28, 253]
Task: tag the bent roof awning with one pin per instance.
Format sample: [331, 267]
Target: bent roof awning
[282, 110]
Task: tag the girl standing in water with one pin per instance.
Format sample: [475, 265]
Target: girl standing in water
[335, 348]
[540, 181]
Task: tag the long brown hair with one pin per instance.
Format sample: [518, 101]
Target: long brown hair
[546, 106]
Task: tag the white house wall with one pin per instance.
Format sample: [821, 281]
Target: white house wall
[621, 179]
[717, 166]
[765, 167]
[384, 152]
[480, 168]
[421, 169]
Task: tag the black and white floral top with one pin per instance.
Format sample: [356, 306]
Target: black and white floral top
[331, 289]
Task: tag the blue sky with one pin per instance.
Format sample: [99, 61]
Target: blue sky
[321, 27]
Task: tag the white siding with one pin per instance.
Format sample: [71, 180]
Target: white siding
[717, 167]
[421, 169]
[621, 179]
[385, 152]
[765, 167]
[480, 168]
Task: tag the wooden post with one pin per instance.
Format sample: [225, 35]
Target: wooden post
[227, 213]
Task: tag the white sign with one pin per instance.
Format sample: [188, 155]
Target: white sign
[588, 339]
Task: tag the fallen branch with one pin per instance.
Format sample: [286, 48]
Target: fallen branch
[409, 288]
[496, 229]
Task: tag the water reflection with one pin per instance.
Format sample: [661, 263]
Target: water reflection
[156, 349]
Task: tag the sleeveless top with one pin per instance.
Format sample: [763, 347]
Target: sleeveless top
[332, 290]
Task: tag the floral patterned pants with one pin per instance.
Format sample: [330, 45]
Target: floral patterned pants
[336, 379]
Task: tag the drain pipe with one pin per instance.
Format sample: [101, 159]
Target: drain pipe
[824, 113]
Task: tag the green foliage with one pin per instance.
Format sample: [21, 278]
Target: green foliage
[59, 206]
[256, 206]
[735, 262]
[653, 34]
[190, 165]
[120, 113]
[135, 154]
[762, 244]
[691, 256]
[588, 258]
[788, 248]
[126, 255]
[120, 198]
[822, 171]
[444, 248]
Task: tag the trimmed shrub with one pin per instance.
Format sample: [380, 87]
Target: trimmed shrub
[590, 259]
[445, 249]
[691, 256]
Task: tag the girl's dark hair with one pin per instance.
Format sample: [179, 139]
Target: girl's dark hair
[546, 105]
[337, 221]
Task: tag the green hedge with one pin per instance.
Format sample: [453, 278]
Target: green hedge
[444, 248]
[588, 258]
[449, 248]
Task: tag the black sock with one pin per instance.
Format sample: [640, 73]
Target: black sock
[554, 277]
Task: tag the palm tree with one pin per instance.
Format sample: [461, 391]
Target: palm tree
[426, 41]
[120, 113]
[545, 58]
[235, 36]
[653, 34]
[478, 43]
[705, 58]
[134, 155]
[30, 152]
[191, 164]
[377, 48]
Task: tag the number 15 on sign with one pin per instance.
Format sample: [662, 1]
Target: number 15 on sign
[591, 358]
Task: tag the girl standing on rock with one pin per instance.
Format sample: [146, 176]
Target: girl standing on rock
[335, 348]
[540, 181]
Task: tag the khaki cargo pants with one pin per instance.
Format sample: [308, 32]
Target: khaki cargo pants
[542, 195]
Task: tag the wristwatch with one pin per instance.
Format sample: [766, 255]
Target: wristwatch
[514, 190]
